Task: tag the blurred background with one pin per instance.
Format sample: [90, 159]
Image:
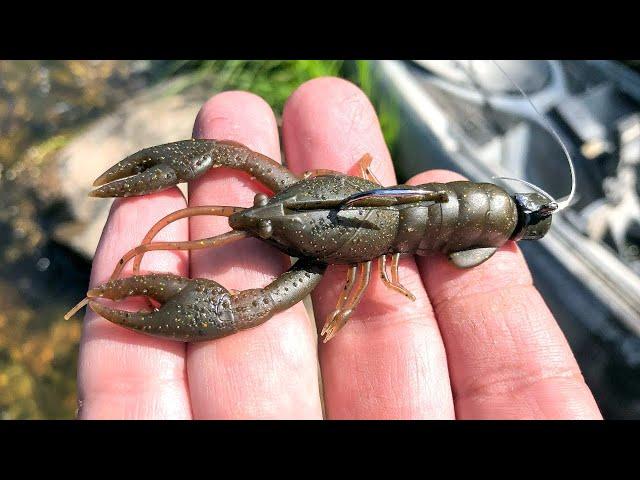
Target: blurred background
[64, 122]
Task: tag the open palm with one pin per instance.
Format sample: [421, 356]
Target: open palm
[477, 343]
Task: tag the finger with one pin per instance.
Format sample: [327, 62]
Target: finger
[269, 371]
[125, 374]
[389, 360]
[507, 356]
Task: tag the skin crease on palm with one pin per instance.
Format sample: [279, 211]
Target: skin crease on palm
[477, 343]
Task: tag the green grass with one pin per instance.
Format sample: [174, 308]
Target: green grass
[275, 80]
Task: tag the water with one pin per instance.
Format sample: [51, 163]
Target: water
[42, 104]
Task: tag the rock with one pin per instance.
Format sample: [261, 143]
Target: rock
[153, 117]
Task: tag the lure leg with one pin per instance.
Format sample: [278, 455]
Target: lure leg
[321, 172]
[337, 320]
[395, 277]
[365, 172]
[394, 282]
[344, 295]
[199, 309]
[365, 169]
[157, 168]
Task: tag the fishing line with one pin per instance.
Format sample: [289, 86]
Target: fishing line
[565, 202]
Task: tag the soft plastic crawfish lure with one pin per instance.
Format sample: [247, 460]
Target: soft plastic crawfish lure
[322, 217]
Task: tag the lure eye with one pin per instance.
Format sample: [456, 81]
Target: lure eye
[265, 229]
[260, 200]
[203, 163]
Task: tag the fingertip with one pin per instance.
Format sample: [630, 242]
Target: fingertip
[436, 175]
[232, 100]
[329, 122]
[322, 88]
[242, 117]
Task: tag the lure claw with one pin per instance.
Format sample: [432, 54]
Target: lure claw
[155, 168]
[191, 309]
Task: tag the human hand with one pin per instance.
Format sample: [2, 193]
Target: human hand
[477, 343]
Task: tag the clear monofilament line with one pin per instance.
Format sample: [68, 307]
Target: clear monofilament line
[553, 203]
[566, 201]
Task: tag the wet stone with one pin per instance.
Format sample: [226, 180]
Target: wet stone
[149, 118]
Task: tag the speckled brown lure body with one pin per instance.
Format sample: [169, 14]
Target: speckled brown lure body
[306, 220]
[322, 218]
